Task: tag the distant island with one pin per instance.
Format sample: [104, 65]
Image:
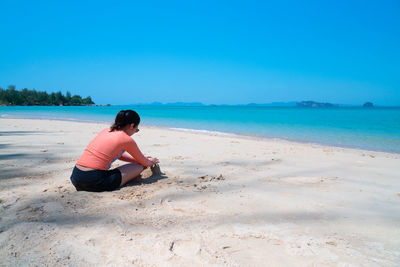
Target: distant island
[368, 105]
[313, 104]
[26, 97]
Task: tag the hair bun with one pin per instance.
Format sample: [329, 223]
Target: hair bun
[125, 117]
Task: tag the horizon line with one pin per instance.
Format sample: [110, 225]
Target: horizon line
[271, 104]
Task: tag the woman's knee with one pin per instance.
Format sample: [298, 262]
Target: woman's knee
[130, 171]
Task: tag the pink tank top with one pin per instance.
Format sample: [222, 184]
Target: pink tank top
[107, 147]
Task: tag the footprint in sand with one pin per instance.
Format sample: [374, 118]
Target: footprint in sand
[200, 186]
[204, 179]
[207, 178]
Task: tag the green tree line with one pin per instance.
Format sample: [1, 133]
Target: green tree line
[26, 97]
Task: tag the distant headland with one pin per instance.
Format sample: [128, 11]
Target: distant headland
[26, 97]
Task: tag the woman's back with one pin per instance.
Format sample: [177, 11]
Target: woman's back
[106, 147]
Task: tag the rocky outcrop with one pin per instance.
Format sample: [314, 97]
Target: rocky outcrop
[368, 105]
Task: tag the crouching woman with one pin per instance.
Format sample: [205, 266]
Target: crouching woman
[92, 173]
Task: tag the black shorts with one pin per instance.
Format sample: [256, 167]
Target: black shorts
[96, 180]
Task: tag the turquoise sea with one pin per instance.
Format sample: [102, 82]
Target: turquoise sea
[373, 129]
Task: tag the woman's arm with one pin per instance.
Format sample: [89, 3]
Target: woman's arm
[132, 148]
[128, 158]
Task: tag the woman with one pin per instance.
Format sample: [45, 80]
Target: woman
[91, 172]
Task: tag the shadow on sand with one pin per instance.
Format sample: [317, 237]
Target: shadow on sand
[150, 176]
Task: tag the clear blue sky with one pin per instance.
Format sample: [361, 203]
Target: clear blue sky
[215, 52]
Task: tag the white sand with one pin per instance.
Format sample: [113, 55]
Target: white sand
[276, 203]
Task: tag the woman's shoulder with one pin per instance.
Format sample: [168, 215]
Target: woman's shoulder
[104, 131]
[122, 136]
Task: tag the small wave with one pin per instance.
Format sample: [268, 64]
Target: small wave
[47, 117]
[205, 131]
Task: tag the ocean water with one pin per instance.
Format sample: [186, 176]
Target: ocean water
[373, 129]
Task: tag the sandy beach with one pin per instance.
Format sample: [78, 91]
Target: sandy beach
[223, 200]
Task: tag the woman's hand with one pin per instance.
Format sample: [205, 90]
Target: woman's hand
[154, 160]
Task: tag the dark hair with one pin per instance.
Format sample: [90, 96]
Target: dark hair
[125, 117]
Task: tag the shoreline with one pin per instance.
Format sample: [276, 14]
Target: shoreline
[222, 134]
